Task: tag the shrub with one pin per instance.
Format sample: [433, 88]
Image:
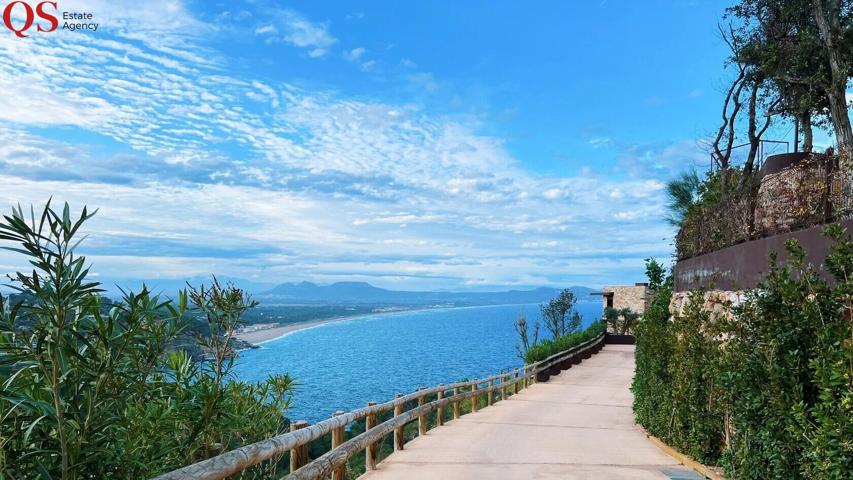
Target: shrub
[766, 392]
[621, 321]
[655, 342]
[546, 348]
[94, 389]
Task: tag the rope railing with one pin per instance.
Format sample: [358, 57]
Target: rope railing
[334, 461]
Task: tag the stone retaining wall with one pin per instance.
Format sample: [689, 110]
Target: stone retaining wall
[718, 302]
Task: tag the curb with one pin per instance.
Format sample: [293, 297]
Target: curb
[682, 458]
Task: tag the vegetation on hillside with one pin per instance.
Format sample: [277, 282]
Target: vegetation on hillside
[97, 390]
[562, 323]
[766, 392]
[791, 61]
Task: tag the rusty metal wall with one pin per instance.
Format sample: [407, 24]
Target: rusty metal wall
[742, 266]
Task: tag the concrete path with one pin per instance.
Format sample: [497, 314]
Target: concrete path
[578, 425]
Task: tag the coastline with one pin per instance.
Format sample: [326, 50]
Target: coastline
[259, 337]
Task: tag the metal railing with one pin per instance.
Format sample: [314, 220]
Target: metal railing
[334, 462]
[760, 157]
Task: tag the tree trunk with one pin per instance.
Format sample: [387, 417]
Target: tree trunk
[828, 18]
[726, 133]
[805, 120]
[841, 123]
[754, 140]
[754, 133]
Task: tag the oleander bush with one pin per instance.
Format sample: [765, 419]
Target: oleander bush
[766, 392]
[95, 389]
[546, 348]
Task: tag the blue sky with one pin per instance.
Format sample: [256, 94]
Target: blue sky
[417, 145]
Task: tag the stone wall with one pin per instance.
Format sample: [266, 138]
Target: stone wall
[718, 302]
[807, 193]
[635, 297]
[793, 194]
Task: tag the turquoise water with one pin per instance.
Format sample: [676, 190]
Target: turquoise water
[343, 365]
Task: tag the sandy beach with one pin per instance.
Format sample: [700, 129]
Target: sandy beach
[257, 337]
[260, 336]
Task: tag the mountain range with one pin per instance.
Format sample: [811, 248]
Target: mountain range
[365, 293]
[349, 293]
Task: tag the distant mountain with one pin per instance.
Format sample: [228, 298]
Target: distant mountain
[365, 293]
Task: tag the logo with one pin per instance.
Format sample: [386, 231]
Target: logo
[30, 15]
[20, 16]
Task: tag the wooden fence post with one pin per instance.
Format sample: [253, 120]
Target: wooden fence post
[504, 379]
[475, 400]
[399, 439]
[440, 412]
[337, 440]
[370, 451]
[515, 384]
[490, 397]
[298, 455]
[456, 413]
[526, 372]
[422, 421]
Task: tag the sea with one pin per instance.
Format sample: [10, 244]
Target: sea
[344, 364]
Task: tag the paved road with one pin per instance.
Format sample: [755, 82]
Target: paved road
[578, 425]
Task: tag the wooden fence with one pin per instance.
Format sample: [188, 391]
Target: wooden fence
[333, 463]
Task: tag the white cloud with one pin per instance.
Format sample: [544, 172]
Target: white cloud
[355, 54]
[266, 30]
[159, 24]
[553, 194]
[293, 183]
[293, 28]
[599, 142]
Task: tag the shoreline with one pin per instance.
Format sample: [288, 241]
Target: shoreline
[259, 337]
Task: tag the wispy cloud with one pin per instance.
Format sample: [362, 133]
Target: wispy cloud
[225, 173]
[425, 81]
[295, 29]
[355, 54]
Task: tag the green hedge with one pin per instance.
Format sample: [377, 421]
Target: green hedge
[546, 348]
[766, 393]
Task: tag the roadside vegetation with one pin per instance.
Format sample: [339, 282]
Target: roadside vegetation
[96, 389]
[562, 324]
[765, 391]
[763, 388]
[546, 348]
